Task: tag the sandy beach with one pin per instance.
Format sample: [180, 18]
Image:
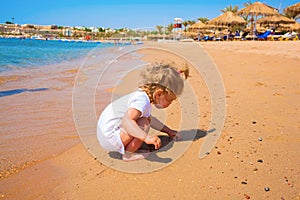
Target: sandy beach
[256, 156]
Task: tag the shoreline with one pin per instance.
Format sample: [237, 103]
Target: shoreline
[115, 41]
[262, 93]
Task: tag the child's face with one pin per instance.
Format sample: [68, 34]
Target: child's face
[164, 99]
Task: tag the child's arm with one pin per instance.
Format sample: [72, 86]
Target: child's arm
[158, 125]
[130, 125]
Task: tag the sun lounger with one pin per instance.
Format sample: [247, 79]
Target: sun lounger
[208, 38]
[236, 38]
[251, 37]
[289, 36]
[228, 37]
[241, 37]
[274, 37]
[264, 35]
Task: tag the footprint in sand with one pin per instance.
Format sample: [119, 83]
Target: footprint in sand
[260, 84]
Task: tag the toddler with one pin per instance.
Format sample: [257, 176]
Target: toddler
[124, 124]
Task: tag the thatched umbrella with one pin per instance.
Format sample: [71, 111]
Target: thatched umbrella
[196, 26]
[227, 19]
[257, 9]
[295, 26]
[258, 28]
[275, 19]
[213, 26]
[291, 27]
[210, 29]
[295, 9]
[194, 30]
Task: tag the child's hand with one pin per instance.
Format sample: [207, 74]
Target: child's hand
[153, 140]
[174, 134]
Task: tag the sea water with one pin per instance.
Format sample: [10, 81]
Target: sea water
[26, 53]
[37, 110]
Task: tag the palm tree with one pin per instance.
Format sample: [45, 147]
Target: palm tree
[247, 3]
[185, 24]
[170, 28]
[230, 9]
[159, 28]
[191, 22]
[203, 19]
[246, 17]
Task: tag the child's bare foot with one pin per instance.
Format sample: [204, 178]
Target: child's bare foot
[138, 155]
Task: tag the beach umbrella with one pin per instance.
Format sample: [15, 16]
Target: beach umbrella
[227, 19]
[294, 27]
[213, 26]
[258, 28]
[195, 29]
[202, 28]
[295, 8]
[196, 26]
[275, 20]
[257, 9]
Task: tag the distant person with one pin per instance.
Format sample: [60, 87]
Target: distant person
[199, 36]
[124, 124]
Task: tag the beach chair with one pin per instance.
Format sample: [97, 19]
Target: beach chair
[274, 37]
[289, 36]
[264, 35]
[244, 35]
[208, 38]
[219, 38]
[228, 37]
[237, 36]
[251, 37]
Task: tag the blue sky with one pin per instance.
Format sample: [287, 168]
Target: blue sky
[118, 13]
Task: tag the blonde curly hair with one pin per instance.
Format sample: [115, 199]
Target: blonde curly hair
[165, 77]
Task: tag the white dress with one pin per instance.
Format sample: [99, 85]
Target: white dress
[108, 127]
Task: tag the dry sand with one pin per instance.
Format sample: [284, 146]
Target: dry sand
[258, 148]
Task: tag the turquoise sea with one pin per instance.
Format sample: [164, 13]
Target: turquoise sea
[26, 53]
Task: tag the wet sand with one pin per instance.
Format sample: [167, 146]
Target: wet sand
[42, 156]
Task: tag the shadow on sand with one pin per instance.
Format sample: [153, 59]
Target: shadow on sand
[166, 144]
